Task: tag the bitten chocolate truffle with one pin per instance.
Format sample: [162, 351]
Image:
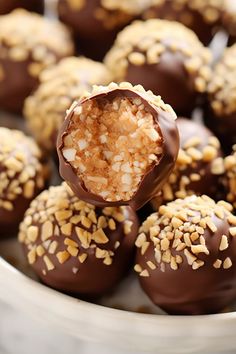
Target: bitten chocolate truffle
[118, 145]
[59, 87]
[73, 246]
[22, 177]
[165, 57]
[201, 16]
[199, 165]
[7, 6]
[187, 254]
[29, 43]
[221, 114]
[96, 23]
[230, 177]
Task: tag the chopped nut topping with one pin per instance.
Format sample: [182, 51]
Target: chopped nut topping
[230, 180]
[176, 235]
[222, 88]
[139, 44]
[59, 206]
[43, 50]
[63, 256]
[22, 174]
[196, 154]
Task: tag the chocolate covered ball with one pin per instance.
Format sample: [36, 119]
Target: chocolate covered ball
[165, 57]
[29, 43]
[75, 247]
[187, 254]
[59, 87]
[96, 23]
[221, 113]
[199, 165]
[230, 177]
[118, 145]
[7, 6]
[201, 16]
[22, 177]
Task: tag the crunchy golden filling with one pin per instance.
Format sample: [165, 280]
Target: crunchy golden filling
[112, 145]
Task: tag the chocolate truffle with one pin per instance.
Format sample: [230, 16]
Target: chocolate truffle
[74, 246]
[187, 254]
[96, 23]
[201, 16]
[59, 87]
[22, 177]
[221, 113]
[7, 6]
[118, 145]
[198, 167]
[230, 177]
[165, 57]
[29, 43]
[229, 19]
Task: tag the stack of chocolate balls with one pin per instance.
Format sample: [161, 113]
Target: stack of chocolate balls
[146, 186]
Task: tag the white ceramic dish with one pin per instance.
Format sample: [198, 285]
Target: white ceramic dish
[116, 328]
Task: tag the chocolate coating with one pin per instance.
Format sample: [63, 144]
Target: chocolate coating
[22, 177]
[59, 86]
[7, 6]
[158, 172]
[96, 23]
[198, 167]
[202, 17]
[194, 274]
[73, 246]
[21, 61]
[220, 114]
[173, 64]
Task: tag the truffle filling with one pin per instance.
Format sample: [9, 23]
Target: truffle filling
[112, 144]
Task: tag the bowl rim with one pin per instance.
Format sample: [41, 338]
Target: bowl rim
[10, 271]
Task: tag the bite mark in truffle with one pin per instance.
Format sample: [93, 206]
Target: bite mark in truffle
[113, 140]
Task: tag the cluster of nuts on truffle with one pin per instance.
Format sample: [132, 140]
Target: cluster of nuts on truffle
[144, 43]
[41, 50]
[199, 158]
[211, 11]
[21, 171]
[59, 86]
[178, 230]
[230, 169]
[55, 214]
[222, 87]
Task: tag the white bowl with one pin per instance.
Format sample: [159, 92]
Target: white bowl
[116, 328]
